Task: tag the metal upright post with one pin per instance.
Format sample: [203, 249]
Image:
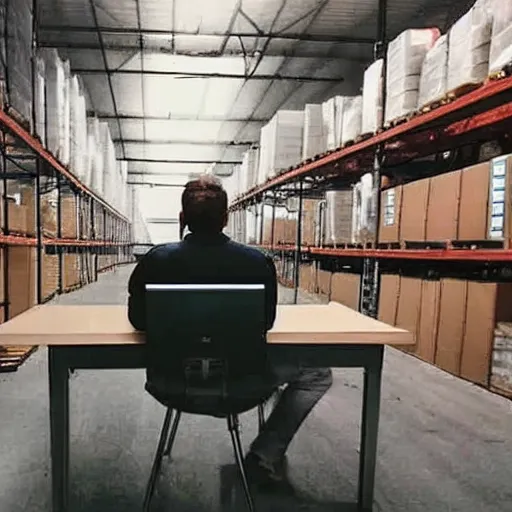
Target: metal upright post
[272, 227]
[59, 228]
[262, 224]
[39, 233]
[298, 247]
[370, 279]
[5, 226]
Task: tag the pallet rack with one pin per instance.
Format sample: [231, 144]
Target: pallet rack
[460, 127]
[99, 234]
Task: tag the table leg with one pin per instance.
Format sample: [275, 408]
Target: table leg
[369, 430]
[59, 428]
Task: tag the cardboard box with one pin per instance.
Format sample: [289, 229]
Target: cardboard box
[443, 207]
[69, 217]
[28, 201]
[413, 220]
[474, 202]
[429, 320]
[345, 289]
[450, 332]
[22, 279]
[50, 277]
[307, 280]
[309, 221]
[388, 298]
[390, 213]
[499, 224]
[488, 304]
[409, 302]
[501, 372]
[324, 278]
[70, 270]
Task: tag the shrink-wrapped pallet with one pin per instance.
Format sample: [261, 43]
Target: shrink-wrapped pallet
[78, 129]
[363, 228]
[249, 169]
[501, 42]
[352, 119]
[56, 85]
[340, 103]
[338, 217]
[434, 73]
[405, 57]
[94, 167]
[372, 98]
[40, 99]
[313, 142]
[329, 123]
[469, 43]
[65, 150]
[17, 33]
[109, 163]
[281, 143]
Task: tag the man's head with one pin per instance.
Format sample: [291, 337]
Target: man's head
[204, 206]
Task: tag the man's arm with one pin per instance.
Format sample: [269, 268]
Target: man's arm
[271, 293]
[137, 296]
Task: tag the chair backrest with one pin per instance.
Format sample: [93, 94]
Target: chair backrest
[199, 329]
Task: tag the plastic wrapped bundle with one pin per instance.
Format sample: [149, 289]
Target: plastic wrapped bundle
[501, 42]
[434, 73]
[19, 57]
[78, 129]
[338, 217]
[40, 100]
[254, 154]
[372, 98]
[329, 123]
[469, 43]
[94, 163]
[352, 119]
[55, 100]
[363, 228]
[405, 58]
[109, 163]
[249, 169]
[313, 143]
[340, 103]
[281, 143]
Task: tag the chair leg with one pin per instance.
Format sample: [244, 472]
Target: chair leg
[172, 435]
[261, 417]
[237, 447]
[157, 463]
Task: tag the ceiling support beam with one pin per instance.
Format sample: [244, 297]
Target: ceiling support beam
[185, 75]
[208, 119]
[231, 143]
[320, 38]
[182, 162]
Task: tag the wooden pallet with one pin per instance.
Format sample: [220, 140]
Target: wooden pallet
[505, 72]
[462, 90]
[400, 120]
[433, 105]
[11, 358]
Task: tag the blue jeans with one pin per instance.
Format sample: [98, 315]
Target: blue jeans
[305, 387]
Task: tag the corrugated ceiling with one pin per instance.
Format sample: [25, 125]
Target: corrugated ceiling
[191, 116]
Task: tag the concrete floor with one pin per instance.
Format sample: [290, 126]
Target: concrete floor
[445, 445]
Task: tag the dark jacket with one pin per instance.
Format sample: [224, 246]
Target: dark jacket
[201, 259]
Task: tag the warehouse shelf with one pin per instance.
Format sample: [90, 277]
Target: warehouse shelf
[489, 255]
[7, 122]
[18, 240]
[446, 127]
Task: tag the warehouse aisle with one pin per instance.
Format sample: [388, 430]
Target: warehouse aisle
[445, 445]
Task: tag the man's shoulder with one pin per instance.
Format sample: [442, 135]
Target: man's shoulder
[248, 251]
[162, 250]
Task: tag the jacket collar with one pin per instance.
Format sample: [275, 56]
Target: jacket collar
[206, 239]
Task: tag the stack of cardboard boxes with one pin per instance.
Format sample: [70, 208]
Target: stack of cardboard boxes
[453, 320]
[466, 205]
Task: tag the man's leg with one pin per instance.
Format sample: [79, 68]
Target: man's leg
[306, 386]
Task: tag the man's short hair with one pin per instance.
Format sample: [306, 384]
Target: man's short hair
[205, 204]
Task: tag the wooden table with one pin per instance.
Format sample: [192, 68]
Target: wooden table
[100, 337]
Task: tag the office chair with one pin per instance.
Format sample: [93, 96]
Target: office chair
[206, 355]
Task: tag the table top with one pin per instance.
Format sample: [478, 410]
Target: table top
[97, 325]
